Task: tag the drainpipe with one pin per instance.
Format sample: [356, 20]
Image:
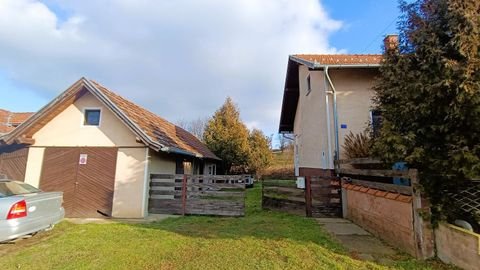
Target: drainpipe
[329, 139]
[335, 115]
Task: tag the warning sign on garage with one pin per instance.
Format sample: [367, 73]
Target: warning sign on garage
[83, 159]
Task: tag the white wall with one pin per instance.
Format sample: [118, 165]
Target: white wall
[354, 102]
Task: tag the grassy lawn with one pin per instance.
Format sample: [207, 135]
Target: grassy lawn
[261, 240]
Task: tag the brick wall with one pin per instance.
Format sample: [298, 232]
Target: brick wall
[384, 214]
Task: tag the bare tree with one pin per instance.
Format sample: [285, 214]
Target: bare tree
[196, 127]
[282, 141]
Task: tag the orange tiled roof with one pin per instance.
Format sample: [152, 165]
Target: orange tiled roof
[157, 128]
[378, 193]
[341, 59]
[10, 120]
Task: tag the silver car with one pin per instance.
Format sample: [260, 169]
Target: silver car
[26, 210]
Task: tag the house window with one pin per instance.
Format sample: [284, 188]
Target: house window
[376, 122]
[92, 117]
[183, 166]
[212, 169]
[309, 85]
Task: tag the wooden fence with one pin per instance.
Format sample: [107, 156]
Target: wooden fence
[321, 196]
[283, 195]
[324, 196]
[220, 195]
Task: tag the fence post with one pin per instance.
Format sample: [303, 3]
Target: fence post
[423, 232]
[184, 194]
[308, 196]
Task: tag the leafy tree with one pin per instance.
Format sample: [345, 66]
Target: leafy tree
[260, 155]
[429, 96]
[227, 136]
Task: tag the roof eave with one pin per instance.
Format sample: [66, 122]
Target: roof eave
[316, 65]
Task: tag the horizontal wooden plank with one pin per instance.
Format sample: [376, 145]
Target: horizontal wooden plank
[162, 176]
[216, 186]
[406, 190]
[280, 183]
[162, 196]
[359, 161]
[377, 173]
[284, 197]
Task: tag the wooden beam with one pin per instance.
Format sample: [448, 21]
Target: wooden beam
[25, 140]
[359, 161]
[406, 190]
[378, 173]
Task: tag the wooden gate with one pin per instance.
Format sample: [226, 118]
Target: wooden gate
[321, 196]
[87, 185]
[13, 161]
[220, 195]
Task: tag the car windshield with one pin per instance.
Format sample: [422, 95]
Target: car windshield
[12, 188]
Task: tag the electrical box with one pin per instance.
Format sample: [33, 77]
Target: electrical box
[301, 182]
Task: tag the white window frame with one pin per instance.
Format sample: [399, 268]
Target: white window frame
[84, 115]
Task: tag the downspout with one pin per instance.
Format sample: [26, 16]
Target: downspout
[327, 106]
[335, 115]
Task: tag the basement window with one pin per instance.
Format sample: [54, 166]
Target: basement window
[309, 85]
[92, 117]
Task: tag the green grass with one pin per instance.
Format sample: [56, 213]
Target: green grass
[261, 240]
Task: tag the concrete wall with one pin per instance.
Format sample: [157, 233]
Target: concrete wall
[161, 163]
[458, 246]
[386, 215]
[34, 166]
[131, 184]
[354, 100]
[354, 93]
[310, 121]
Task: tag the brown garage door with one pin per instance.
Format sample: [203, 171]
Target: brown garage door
[13, 161]
[87, 185]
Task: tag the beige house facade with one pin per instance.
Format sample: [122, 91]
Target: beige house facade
[101, 151]
[325, 98]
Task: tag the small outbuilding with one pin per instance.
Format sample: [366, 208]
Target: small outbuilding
[100, 150]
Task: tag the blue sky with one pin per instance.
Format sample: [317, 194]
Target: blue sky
[179, 59]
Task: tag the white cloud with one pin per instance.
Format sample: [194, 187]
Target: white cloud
[179, 59]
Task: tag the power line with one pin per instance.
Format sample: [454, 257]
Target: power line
[379, 35]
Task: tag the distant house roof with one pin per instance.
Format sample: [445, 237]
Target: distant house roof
[151, 129]
[316, 62]
[10, 120]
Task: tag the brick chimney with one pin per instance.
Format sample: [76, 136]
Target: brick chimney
[390, 42]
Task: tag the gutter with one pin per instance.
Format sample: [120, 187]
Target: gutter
[335, 116]
[327, 108]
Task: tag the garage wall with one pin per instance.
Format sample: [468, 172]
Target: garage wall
[34, 166]
[131, 185]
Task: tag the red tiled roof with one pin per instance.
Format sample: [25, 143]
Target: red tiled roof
[10, 120]
[341, 59]
[157, 128]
